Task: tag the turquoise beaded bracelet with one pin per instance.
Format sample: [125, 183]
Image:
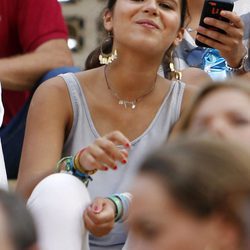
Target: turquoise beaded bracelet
[118, 206]
[66, 165]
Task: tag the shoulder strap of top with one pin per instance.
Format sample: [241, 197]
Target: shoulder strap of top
[177, 97]
[75, 91]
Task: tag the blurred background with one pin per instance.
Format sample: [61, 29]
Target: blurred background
[85, 30]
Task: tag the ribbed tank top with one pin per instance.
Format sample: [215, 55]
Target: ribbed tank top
[83, 133]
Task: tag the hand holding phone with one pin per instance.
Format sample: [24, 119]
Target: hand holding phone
[212, 9]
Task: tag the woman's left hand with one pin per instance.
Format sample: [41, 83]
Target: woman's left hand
[99, 217]
[230, 44]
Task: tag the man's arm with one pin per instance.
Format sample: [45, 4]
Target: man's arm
[22, 71]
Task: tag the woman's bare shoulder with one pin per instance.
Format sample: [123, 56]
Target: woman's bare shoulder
[51, 96]
[55, 85]
[90, 76]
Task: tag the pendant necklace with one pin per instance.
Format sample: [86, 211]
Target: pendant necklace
[126, 103]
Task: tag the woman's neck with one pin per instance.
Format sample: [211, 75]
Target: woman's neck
[134, 72]
[130, 81]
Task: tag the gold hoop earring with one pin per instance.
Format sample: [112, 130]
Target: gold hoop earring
[174, 74]
[107, 58]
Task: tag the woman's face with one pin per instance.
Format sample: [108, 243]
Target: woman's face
[148, 25]
[224, 113]
[157, 222]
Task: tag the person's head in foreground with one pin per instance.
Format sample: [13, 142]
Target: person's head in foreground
[221, 109]
[17, 230]
[193, 194]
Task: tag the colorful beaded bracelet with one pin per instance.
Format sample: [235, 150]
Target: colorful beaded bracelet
[66, 165]
[118, 206]
[126, 199]
[78, 165]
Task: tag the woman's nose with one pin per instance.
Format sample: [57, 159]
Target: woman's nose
[218, 127]
[151, 7]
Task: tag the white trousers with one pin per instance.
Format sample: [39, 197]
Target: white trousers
[57, 204]
[3, 176]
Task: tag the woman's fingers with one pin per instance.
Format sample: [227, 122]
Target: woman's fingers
[119, 139]
[99, 217]
[97, 230]
[89, 162]
[105, 152]
[102, 153]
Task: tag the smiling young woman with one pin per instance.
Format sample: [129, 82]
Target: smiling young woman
[97, 118]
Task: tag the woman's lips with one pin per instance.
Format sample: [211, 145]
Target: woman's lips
[148, 23]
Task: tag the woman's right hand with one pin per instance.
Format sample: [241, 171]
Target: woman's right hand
[99, 217]
[104, 153]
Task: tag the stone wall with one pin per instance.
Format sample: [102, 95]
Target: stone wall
[83, 16]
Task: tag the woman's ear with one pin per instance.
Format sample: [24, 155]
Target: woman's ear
[179, 36]
[108, 20]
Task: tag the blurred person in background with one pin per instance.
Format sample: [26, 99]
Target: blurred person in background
[33, 39]
[192, 194]
[221, 109]
[17, 229]
[229, 53]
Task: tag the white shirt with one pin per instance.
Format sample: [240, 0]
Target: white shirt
[3, 176]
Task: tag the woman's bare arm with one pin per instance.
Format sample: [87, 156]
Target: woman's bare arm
[47, 124]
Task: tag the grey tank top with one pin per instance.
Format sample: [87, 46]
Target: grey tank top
[83, 133]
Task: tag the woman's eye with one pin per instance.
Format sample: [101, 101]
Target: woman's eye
[149, 233]
[165, 6]
[199, 123]
[241, 121]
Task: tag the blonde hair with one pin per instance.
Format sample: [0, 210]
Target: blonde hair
[205, 176]
[235, 83]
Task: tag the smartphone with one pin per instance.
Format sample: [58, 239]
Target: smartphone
[212, 8]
